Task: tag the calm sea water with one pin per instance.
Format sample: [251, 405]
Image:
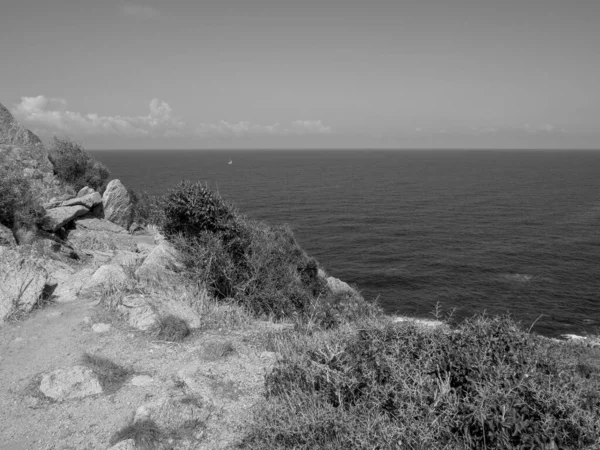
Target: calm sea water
[515, 231]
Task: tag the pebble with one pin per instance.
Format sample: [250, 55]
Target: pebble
[101, 327]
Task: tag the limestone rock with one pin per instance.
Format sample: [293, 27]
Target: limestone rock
[336, 285]
[85, 191]
[22, 282]
[141, 315]
[108, 275]
[12, 132]
[95, 224]
[70, 383]
[6, 237]
[118, 204]
[58, 217]
[128, 444]
[89, 201]
[161, 260]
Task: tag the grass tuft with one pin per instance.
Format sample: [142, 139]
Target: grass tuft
[172, 328]
[145, 433]
[110, 375]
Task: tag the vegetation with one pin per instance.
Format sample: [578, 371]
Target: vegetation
[486, 384]
[251, 263]
[145, 433]
[110, 374]
[75, 167]
[18, 205]
[172, 328]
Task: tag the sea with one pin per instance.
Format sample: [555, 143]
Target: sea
[460, 232]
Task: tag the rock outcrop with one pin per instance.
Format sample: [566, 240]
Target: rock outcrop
[12, 132]
[22, 282]
[58, 217]
[162, 261]
[118, 204]
[70, 383]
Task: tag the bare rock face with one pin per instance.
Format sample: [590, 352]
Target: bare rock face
[7, 238]
[85, 191]
[12, 132]
[95, 224]
[108, 275]
[118, 204]
[59, 217]
[161, 260]
[140, 313]
[336, 285]
[89, 200]
[22, 282]
[71, 383]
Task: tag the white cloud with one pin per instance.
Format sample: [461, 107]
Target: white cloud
[138, 11]
[51, 115]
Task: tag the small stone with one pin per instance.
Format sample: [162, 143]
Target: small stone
[128, 444]
[101, 327]
[87, 319]
[142, 380]
[70, 383]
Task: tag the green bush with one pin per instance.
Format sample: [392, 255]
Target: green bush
[334, 309]
[486, 384]
[18, 205]
[75, 167]
[147, 209]
[249, 262]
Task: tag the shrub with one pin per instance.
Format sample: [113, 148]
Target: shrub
[249, 262]
[147, 209]
[145, 433]
[18, 205]
[75, 167]
[486, 384]
[110, 374]
[172, 328]
[333, 309]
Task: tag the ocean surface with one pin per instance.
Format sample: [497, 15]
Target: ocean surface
[472, 231]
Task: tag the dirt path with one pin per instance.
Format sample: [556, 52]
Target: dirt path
[229, 382]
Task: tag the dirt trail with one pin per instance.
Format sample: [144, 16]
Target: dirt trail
[56, 337]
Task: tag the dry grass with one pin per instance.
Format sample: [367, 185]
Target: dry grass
[110, 375]
[145, 433]
[171, 328]
[214, 350]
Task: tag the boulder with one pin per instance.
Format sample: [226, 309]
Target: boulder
[95, 224]
[69, 284]
[70, 383]
[12, 132]
[59, 217]
[85, 191]
[139, 311]
[160, 262]
[118, 204]
[6, 237]
[108, 275]
[336, 285]
[22, 282]
[89, 200]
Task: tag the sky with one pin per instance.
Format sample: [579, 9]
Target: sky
[116, 74]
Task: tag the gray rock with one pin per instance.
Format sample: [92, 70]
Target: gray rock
[58, 217]
[12, 132]
[142, 380]
[22, 282]
[70, 383]
[95, 224]
[108, 275]
[6, 237]
[101, 327]
[89, 201]
[69, 285]
[139, 311]
[160, 262]
[85, 191]
[128, 444]
[336, 285]
[118, 204]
